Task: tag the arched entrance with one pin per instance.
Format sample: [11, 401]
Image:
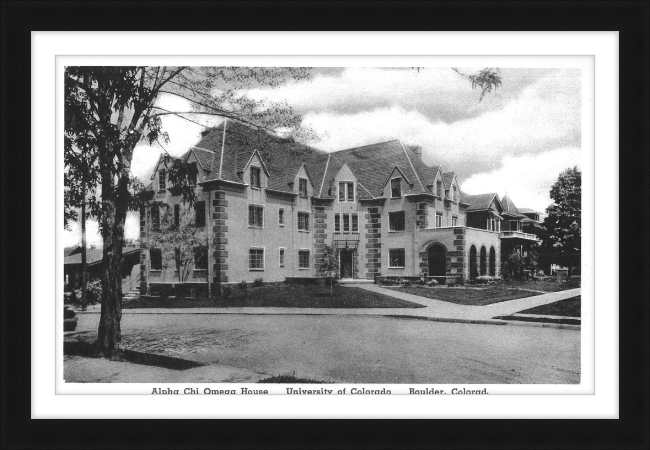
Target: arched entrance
[493, 262]
[473, 270]
[483, 261]
[437, 254]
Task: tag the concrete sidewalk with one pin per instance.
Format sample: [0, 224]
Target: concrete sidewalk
[434, 309]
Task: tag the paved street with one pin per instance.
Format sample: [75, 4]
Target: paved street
[358, 349]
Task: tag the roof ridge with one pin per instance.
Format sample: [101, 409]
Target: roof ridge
[363, 146]
[322, 183]
[412, 166]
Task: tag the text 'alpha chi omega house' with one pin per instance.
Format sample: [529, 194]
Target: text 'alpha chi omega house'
[267, 208]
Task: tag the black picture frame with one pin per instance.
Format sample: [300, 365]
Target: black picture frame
[630, 18]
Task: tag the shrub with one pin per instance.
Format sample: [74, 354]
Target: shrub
[242, 286]
[433, 283]
[258, 282]
[93, 293]
[226, 291]
[407, 283]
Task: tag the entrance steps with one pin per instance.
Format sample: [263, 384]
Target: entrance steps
[133, 294]
[356, 281]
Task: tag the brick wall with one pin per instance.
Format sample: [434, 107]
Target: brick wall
[319, 212]
[219, 240]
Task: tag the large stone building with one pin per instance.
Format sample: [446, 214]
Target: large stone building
[267, 208]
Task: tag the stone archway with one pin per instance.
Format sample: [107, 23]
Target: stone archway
[483, 261]
[473, 269]
[493, 262]
[437, 259]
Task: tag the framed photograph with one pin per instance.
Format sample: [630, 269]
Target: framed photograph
[400, 222]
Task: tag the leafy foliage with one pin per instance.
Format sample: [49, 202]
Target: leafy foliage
[178, 243]
[330, 264]
[561, 238]
[486, 80]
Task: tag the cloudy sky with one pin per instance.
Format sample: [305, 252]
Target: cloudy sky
[516, 140]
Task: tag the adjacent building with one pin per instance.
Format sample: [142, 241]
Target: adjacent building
[267, 208]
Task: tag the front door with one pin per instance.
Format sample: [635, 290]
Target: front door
[346, 263]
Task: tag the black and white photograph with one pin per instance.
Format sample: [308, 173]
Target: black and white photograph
[279, 226]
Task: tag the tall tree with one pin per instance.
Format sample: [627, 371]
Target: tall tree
[561, 238]
[109, 110]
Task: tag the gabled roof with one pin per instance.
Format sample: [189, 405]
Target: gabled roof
[401, 171]
[203, 156]
[509, 207]
[371, 164]
[447, 179]
[95, 255]
[480, 202]
[528, 211]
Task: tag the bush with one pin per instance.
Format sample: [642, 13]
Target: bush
[407, 283]
[242, 286]
[93, 293]
[226, 291]
[258, 282]
[433, 282]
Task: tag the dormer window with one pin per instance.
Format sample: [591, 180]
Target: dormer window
[302, 187]
[162, 182]
[396, 187]
[346, 191]
[256, 177]
[439, 188]
[192, 173]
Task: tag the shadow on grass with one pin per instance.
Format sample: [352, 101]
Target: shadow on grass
[289, 379]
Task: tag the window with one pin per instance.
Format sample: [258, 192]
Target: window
[396, 221]
[454, 221]
[177, 215]
[199, 212]
[281, 217]
[439, 188]
[256, 258]
[396, 187]
[255, 177]
[396, 258]
[355, 223]
[303, 221]
[438, 220]
[302, 187]
[346, 223]
[281, 257]
[192, 173]
[303, 259]
[155, 217]
[201, 257]
[255, 216]
[162, 183]
[337, 223]
[346, 191]
[155, 254]
[514, 225]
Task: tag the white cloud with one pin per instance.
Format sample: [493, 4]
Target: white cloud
[94, 238]
[527, 179]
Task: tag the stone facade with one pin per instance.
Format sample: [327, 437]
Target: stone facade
[373, 242]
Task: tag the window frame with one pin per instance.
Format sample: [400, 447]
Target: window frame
[346, 223]
[155, 217]
[177, 215]
[354, 222]
[348, 188]
[281, 254]
[258, 179]
[202, 222]
[337, 223]
[438, 220]
[304, 214]
[261, 216]
[192, 173]
[281, 217]
[151, 259]
[399, 187]
[195, 251]
[256, 269]
[454, 221]
[302, 181]
[390, 258]
[162, 180]
[302, 251]
[390, 222]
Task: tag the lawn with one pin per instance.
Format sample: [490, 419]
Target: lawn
[282, 295]
[545, 286]
[470, 296]
[569, 307]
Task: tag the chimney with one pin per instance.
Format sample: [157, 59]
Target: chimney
[417, 149]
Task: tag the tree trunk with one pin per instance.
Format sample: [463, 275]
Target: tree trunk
[84, 267]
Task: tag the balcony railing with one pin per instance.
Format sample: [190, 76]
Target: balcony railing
[345, 240]
[517, 234]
